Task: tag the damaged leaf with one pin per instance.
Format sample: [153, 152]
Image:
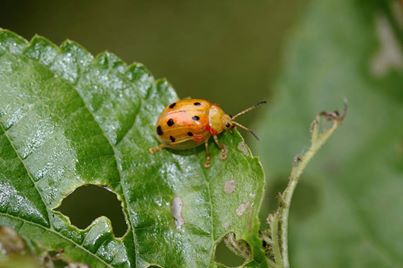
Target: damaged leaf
[69, 119]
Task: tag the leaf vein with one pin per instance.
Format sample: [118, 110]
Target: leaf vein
[28, 172]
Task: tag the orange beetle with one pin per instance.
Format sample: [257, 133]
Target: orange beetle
[188, 123]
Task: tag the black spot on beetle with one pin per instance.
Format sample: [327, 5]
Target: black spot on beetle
[195, 118]
[159, 130]
[172, 138]
[170, 122]
[172, 105]
[190, 134]
[197, 103]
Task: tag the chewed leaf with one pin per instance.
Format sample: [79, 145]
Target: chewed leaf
[69, 119]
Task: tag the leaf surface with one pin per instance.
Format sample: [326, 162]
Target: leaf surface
[68, 119]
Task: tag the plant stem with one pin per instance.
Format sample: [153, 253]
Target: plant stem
[276, 243]
[280, 218]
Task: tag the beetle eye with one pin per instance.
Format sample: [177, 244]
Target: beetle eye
[227, 125]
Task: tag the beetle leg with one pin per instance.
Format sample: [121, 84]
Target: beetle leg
[208, 157]
[223, 150]
[153, 150]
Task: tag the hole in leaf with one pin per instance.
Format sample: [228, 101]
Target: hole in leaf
[231, 252]
[89, 202]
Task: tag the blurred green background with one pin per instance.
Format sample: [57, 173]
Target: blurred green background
[227, 51]
[303, 56]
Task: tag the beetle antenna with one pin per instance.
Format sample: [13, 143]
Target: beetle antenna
[249, 109]
[247, 129]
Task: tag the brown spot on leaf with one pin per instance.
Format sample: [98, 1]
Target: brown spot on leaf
[229, 186]
[176, 210]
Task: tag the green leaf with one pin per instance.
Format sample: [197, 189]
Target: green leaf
[68, 119]
[347, 211]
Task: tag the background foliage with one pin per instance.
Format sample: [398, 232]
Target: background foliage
[348, 211]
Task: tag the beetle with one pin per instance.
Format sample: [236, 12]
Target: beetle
[188, 123]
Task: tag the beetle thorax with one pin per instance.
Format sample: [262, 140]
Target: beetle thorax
[217, 119]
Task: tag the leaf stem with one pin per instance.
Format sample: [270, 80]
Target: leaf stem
[279, 219]
[276, 243]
